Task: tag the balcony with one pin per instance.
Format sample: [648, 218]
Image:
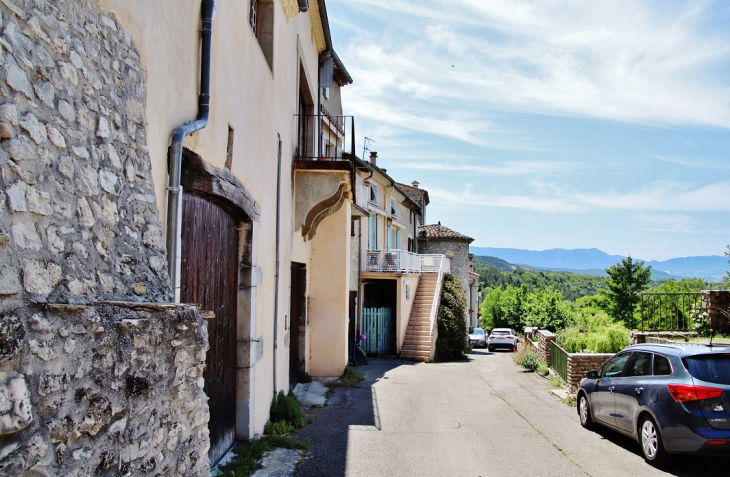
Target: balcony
[403, 262]
[337, 137]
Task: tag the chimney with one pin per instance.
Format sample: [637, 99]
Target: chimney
[415, 184]
[374, 157]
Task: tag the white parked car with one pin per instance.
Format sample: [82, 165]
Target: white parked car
[502, 338]
[478, 338]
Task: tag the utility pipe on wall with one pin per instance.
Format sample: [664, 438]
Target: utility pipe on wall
[174, 195]
[276, 276]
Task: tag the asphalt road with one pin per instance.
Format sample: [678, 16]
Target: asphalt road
[479, 417]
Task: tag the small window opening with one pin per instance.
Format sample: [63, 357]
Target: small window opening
[229, 148]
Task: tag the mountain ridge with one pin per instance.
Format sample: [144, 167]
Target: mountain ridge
[707, 267]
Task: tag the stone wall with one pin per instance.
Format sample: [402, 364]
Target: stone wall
[458, 252]
[580, 363]
[543, 346]
[78, 213]
[90, 383]
[111, 389]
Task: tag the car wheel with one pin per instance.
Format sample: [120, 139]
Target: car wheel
[584, 412]
[491, 350]
[651, 442]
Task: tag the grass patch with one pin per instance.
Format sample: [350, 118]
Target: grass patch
[557, 382]
[350, 379]
[247, 459]
[569, 400]
[286, 417]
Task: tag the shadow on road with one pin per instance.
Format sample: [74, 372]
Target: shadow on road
[680, 465]
[328, 426]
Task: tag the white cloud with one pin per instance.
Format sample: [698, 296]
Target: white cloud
[648, 62]
[504, 168]
[658, 196]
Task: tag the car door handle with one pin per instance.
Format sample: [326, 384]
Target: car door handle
[612, 388]
[639, 391]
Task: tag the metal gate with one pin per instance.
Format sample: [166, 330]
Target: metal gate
[209, 275]
[378, 327]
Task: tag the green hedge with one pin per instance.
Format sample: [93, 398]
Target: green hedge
[452, 339]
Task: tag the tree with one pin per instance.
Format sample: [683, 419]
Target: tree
[627, 279]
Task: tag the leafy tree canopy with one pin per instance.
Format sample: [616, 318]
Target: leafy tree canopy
[627, 279]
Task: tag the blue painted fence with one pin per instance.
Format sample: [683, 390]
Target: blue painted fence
[379, 329]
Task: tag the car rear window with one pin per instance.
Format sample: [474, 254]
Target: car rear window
[478, 332]
[501, 333]
[712, 368]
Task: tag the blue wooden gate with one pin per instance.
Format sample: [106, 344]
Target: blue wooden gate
[379, 330]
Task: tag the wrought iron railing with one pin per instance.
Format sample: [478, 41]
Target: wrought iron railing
[401, 261]
[670, 311]
[336, 136]
[559, 360]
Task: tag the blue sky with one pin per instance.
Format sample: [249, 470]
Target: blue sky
[550, 124]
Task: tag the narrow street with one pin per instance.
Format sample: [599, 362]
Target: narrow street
[478, 417]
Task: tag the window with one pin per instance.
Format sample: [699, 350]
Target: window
[229, 148]
[373, 232]
[374, 193]
[393, 208]
[639, 365]
[261, 20]
[408, 290]
[397, 239]
[614, 366]
[662, 367]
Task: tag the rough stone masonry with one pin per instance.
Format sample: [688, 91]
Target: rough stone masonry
[98, 374]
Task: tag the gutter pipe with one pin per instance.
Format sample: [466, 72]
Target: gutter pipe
[174, 196]
[303, 5]
[276, 276]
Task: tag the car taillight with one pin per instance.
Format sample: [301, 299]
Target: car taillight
[510, 337]
[685, 392]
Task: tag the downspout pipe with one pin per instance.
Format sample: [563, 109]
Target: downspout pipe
[174, 194]
[303, 5]
[276, 276]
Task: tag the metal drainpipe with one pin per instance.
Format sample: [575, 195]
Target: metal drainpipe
[174, 195]
[276, 275]
[303, 5]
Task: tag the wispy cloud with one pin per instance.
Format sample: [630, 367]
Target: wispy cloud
[649, 62]
[698, 162]
[662, 196]
[504, 168]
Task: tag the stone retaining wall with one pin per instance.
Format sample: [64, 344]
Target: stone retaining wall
[544, 348]
[89, 382]
[580, 363]
[112, 389]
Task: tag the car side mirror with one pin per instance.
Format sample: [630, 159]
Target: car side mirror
[592, 374]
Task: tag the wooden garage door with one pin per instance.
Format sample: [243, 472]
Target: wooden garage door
[209, 277]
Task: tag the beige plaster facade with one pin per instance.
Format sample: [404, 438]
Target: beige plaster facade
[255, 96]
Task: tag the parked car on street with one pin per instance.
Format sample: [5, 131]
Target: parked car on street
[502, 338]
[671, 398]
[477, 337]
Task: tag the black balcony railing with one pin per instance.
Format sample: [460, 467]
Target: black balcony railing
[336, 136]
[670, 311]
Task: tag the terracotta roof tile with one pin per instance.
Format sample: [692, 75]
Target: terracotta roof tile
[439, 232]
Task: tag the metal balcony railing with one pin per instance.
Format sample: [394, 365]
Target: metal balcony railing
[336, 136]
[670, 311]
[401, 261]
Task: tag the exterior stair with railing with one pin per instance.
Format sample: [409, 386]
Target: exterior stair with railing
[418, 343]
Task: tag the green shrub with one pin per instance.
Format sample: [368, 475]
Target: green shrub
[530, 361]
[285, 414]
[611, 339]
[542, 368]
[452, 339]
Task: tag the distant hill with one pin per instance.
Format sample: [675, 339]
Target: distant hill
[594, 261]
[493, 262]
